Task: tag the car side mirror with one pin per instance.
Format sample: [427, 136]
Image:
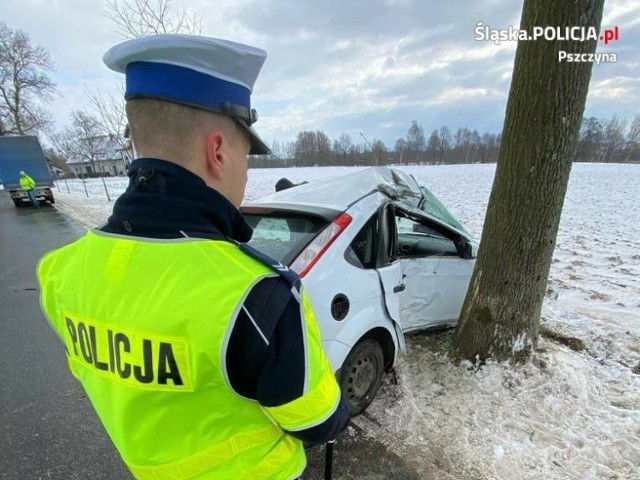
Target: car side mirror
[467, 249]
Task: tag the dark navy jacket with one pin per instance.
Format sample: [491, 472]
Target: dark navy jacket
[164, 200]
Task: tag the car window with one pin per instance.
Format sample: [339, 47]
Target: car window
[419, 239]
[362, 250]
[282, 236]
[431, 205]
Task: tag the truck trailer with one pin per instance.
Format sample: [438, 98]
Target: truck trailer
[24, 153]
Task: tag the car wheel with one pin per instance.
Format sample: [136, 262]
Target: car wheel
[17, 203]
[361, 375]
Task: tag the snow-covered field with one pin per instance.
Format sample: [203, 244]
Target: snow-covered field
[565, 414]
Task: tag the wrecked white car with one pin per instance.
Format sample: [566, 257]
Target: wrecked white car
[379, 255]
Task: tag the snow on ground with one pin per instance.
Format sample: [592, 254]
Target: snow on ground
[563, 415]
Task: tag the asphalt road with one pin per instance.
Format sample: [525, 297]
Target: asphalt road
[48, 429]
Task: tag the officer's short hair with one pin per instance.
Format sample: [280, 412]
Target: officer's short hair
[157, 122]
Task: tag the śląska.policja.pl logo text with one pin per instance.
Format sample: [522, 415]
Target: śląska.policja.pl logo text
[486, 33]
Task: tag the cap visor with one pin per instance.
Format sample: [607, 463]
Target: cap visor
[258, 147]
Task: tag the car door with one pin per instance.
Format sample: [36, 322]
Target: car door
[453, 277]
[433, 271]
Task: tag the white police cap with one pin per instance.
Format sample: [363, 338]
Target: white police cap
[207, 73]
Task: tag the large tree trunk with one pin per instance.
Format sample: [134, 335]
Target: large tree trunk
[501, 313]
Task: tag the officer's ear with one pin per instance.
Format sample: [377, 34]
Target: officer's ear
[215, 153]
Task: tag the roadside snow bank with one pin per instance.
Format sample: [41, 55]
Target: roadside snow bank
[562, 415]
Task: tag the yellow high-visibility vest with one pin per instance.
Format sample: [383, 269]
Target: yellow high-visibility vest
[27, 183]
[145, 325]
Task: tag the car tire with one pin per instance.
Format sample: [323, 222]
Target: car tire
[361, 375]
[51, 200]
[17, 203]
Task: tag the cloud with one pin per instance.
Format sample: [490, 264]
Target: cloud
[623, 14]
[364, 60]
[457, 94]
[368, 66]
[617, 88]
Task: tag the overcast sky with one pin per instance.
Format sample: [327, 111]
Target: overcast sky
[347, 66]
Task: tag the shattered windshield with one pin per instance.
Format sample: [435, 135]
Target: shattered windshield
[431, 205]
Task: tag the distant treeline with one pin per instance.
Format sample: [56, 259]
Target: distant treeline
[601, 140]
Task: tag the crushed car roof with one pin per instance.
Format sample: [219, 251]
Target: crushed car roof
[340, 192]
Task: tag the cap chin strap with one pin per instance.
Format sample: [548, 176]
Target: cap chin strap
[248, 115]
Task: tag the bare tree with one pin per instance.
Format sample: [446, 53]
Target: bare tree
[501, 314]
[108, 110]
[634, 130]
[416, 142]
[614, 138]
[463, 141]
[83, 140]
[379, 151]
[56, 159]
[591, 143]
[24, 83]
[433, 145]
[633, 140]
[341, 148]
[137, 18]
[445, 142]
[488, 147]
[312, 148]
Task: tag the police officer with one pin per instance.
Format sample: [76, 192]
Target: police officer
[201, 357]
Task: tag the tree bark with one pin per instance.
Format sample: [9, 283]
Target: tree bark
[501, 314]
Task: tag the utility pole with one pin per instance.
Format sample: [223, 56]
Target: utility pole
[375, 156]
